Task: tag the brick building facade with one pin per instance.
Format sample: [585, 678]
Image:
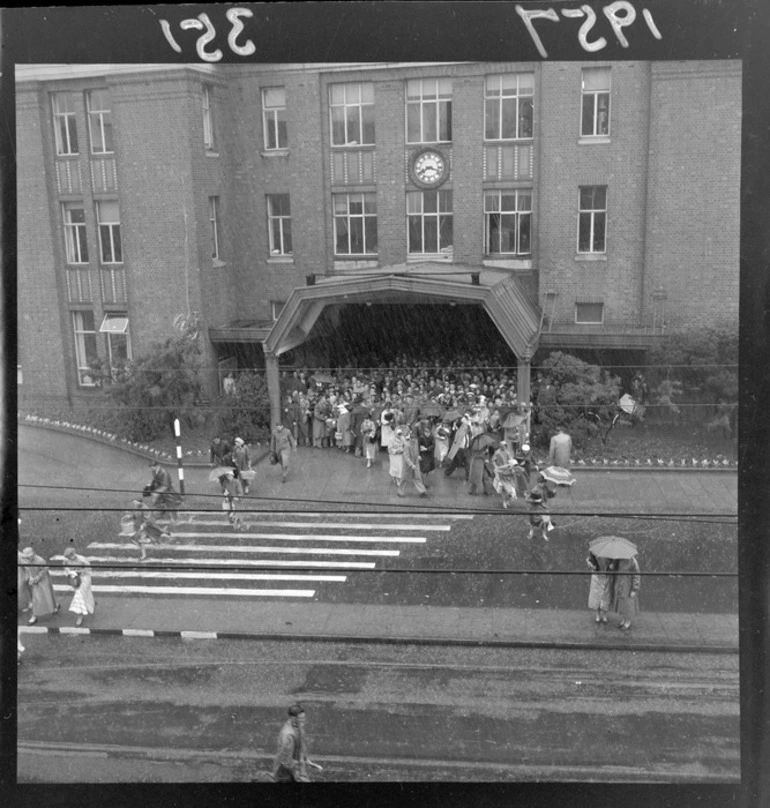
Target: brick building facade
[607, 192]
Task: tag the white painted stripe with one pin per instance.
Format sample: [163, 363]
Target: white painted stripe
[181, 474]
[138, 632]
[330, 525]
[33, 629]
[352, 515]
[204, 590]
[73, 630]
[178, 452]
[221, 576]
[245, 562]
[198, 635]
[204, 548]
[303, 537]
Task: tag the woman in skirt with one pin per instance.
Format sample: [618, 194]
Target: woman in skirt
[625, 590]
[40, 586]
[25, 596]
[79, 576]
[369, 437]
[600, 590]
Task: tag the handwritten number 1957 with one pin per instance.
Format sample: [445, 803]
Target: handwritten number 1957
[620, 14]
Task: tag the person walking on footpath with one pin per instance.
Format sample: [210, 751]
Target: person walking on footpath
[412, 463]
[539, 518]
[79, 576]
[600, 590]
[396, 448]
[369, 437]
[40, 586]
[560, 449]
[291, 760]
[242, 461]
[282, 443]
[626, 583]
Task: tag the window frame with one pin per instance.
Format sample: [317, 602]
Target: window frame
[438, 214]
[209, 141]
[500, 98]
[517, 214]
[422, 104]
[595, 111]
[112, 228]
[279, 220]
[579, 303]
[80, 335]
[69, 117]
[362, 217]
[121, 331]
[215, 224]
[345, 105]
[592, 213]
[75, 235]
[100, 117]
[271, 121]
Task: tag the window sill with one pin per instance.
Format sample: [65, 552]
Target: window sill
[501, 262]
[589, 257]
[211, 153]
[281, 259]
[594, 140]
[274, 153]
[589, 325]
[353, 263]
[216, 263]
[416, 258]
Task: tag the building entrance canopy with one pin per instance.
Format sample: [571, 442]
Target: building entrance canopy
[505, 302]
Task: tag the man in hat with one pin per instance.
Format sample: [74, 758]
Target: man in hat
[458, 456]
[291, 760]
[163, 497]
[560, 448]
[282, 443]
[218, 449]
[242, 461]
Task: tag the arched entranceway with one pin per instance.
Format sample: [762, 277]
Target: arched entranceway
[504, 301]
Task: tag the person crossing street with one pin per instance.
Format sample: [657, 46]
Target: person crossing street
[282, 444]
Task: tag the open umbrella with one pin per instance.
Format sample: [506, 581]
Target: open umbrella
[324, 378]
[484, 441]
[628, 404]
[217, 472]
[452, 415]
[558, 475]
[513, 419]
[612, 547]
[431, 410]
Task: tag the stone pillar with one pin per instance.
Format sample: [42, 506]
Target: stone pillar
[273, 388]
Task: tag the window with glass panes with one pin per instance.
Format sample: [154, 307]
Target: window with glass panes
[85, 345]
[65, 130]
[509, 106]
[589, 313]
[115, 328]
[108, 219]
[596, 102]
[214, 222]
[75, 241]
[428, 110]
[208, 117]
[592, 219]
[274, 118]
[355, 224]
[99, 121]
[279, 224]
[351, 108]
[508, 216]
[429, 219]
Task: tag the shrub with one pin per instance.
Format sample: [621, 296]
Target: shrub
[247, 412]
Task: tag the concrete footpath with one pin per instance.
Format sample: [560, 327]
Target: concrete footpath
[329, 476]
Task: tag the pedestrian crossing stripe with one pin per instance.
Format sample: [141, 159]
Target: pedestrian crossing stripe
[194, 590]
[237, 549]
[330, 525]
[217, 576]
[357, 515]
[245, 562]
[302, 537]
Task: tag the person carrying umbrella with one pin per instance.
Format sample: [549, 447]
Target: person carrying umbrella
[624, 570]
[504, 482]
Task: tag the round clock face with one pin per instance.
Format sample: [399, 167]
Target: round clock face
[429, 168]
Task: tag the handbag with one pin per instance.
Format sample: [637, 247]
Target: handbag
[73, 580]
[273, 459]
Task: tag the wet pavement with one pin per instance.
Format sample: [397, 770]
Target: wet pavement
[323, 479]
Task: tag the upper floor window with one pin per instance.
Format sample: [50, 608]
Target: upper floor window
[208, 118]
[508, 106]
[592, 219]
[84, 330]
[115, 326]
[595, 119]
[508, 217]
[99, 121]
[428, 110]
[214, 222]
[279, 224]
[75, 241]
[274, 118]
[108, 219]
[351, 107]
[355, 224]
[65, 131]
[589, 313]
[429, 215]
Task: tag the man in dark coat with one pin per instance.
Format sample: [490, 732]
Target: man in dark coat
[164, 498]
[218, 451]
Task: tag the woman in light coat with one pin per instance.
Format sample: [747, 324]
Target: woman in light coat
[504, 464]
[24, 595]
[369, 437]
[83, 602]
[387, 425]
[40, 586]
[600, 589]
[625, 590]
[396, 455]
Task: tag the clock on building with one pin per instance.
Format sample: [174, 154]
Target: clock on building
[429, 168]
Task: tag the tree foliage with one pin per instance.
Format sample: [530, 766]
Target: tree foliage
[152, 390]
[247, 412]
